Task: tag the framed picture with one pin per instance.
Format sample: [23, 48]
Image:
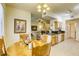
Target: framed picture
[19, 26]
[34, 28]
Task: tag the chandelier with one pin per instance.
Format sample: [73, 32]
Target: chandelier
[43, 8]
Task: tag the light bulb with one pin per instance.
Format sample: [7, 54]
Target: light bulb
[48, 8]
[40, 26]
[39, 7]
[39, 10]
[45, 5]
[44, 11]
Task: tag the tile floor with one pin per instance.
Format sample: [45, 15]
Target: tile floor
[68, 47]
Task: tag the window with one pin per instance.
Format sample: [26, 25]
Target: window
[1, 21]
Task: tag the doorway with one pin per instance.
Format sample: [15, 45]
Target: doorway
[71, 29]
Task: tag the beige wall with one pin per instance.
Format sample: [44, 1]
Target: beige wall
[10, 14]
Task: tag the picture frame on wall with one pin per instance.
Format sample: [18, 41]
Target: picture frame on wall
[34, 28]
[19, 26]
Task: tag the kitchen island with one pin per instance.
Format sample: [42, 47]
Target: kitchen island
[57, 36]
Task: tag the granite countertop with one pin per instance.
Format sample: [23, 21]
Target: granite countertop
[53, 32]
[58, 32]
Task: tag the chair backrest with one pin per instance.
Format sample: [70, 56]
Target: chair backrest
[23, 36]
[42, 50]
[2, 47]
[1, 43]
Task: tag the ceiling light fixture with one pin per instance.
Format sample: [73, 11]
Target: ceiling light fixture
[43, 8]
[38, 6]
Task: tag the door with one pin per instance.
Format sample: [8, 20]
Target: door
[77, 31]
[71, 29]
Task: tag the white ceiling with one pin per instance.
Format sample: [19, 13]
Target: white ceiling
[55, 7]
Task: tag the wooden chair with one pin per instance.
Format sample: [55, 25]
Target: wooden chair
[42, 50]
[2, 47]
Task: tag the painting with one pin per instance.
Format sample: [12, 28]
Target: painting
[19, 26]
[34, 28]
